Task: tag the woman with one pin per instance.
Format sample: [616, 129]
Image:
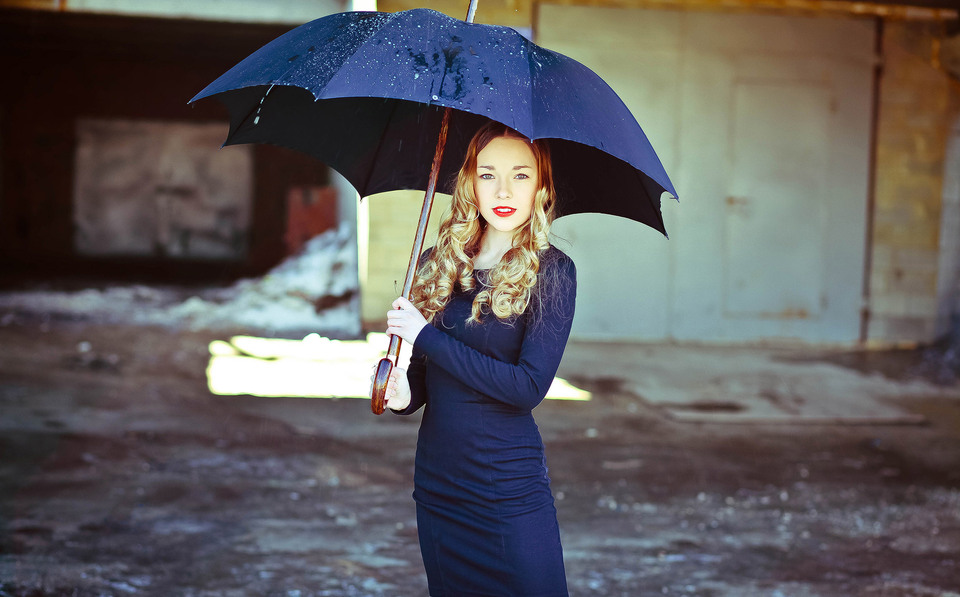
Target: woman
[490, 315]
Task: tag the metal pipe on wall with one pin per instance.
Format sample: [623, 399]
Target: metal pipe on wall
[871, 183]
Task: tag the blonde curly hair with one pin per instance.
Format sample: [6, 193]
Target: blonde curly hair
[449, 266]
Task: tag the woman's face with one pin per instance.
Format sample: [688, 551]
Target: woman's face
[506, 182]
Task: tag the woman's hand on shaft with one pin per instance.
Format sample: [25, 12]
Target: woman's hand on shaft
[404, 320]
[397, 394]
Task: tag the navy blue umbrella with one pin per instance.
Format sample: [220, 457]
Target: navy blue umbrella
[370, 94]
[364, 91]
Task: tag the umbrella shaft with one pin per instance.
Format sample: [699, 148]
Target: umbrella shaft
[394, 350]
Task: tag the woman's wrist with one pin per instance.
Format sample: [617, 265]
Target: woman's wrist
[416, 336]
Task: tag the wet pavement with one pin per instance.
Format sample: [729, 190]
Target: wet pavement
[121, 474]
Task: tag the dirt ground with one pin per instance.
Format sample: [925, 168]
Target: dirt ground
[121, 474]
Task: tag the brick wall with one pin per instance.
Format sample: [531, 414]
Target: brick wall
[918, 104]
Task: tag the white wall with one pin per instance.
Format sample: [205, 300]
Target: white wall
[762, 121]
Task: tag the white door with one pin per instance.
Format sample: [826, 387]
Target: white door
[762, 122]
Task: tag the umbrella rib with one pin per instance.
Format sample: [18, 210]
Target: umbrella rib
[247, 118]
[383, 135]
[239, 124]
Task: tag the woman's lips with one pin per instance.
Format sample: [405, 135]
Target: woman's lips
[504, 212]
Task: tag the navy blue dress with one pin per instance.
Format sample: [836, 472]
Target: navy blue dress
[485, 514]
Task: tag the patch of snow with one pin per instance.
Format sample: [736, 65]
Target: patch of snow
[316, 289]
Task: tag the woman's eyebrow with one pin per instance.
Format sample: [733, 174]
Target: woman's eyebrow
[515, 168]
[518, 167]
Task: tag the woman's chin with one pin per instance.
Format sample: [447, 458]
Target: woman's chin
[503, 225]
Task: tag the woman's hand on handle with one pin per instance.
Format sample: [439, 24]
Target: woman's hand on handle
[404, 320]
[397, 396]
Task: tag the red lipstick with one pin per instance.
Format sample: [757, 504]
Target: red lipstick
[504, 212]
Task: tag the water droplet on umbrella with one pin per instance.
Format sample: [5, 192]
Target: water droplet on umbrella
[435, 98]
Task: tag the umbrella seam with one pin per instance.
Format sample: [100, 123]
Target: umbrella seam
[389, 18]
[533, 124]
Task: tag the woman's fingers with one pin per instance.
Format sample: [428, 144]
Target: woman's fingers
[405, 324]
[399, 389]
[404, 320]
[404, 308]
[402, 303]
[393, 384]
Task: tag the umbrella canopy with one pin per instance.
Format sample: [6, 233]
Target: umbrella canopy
[365, 92]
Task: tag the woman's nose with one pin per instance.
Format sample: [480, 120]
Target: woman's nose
[503, 192]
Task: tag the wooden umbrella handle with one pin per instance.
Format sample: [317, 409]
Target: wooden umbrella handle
[387, 363]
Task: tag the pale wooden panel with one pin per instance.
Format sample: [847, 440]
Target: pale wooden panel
[392, 225]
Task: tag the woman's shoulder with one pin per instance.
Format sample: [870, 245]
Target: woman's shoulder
[558, 274]
[556, 261]
[556, 285]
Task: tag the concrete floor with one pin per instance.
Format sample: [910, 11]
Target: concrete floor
[121, 474]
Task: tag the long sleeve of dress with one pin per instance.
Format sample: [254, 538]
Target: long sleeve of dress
[525, 383]
[417, 378]
[417, 369]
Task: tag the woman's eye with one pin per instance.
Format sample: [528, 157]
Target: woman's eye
[521, 176]
[486, 176]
